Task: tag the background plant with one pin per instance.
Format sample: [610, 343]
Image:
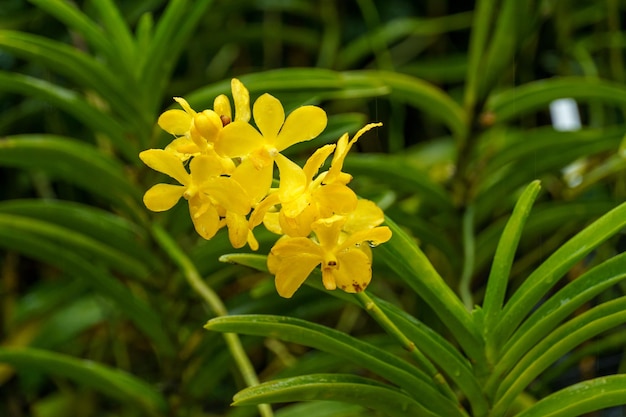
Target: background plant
[463, 94]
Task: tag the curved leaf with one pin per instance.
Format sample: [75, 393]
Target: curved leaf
[581, 398]
[396, 171]
[80, 67]
[135, 308]
[112, 382]
[102, 226]
[72, 161]
[515, 102]
[334, 387]
[404, 257]
[552, 312]
[554, 346]
[338, 343]
[503, 258]
[72, 103]
[549, 272]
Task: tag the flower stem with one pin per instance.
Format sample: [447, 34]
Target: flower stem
[390, 327]
[215, 303]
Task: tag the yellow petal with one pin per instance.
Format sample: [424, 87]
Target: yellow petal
[176, 122]
[166, 163]
[315, 161]
[366, 215]
[272, 223]
[269, 117]
[237, 229]
[205, 218]
[296, 246]
[205, 167]
[252, 242]
[335, 199]
[354, 271]
[162, 197]
[261, 209]
[256, 181]
[328, 230]
[300, 225]
[343, 147]
[304, 123]
[373, 237]
[208, 124]
[228, 194]
[183, 147]
[293, 182]
[241, 97]
[183, 103]
[221, 106]
[238, 139]
[292, 270]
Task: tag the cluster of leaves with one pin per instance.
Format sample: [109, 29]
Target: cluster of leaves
[496, 305]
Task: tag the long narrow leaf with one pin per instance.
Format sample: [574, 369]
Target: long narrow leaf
[565, 302]
[72, 161]
[404, 257]
[536, 95]
[72, 103]
[582, 398]
[73, 18]
[576, 331]
[112, 382]
[503, 258]
[136, 309]
[548, 273]
[338, 343]
[334, 387]
[79, 67]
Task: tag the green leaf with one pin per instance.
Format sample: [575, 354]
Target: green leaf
[515, 102]
[396, 171]
[338, 343]
[549, 272]
[503, 258]
[143, 316]
[581, 398]
[79, 67]
[112, 382]
[323, 409]
[170, 35]
[117, 31]
[556, 309]
[554, 346]
[73, 18]
[404, 257]
[334, 387]
[395, 30]
[99, 225]
[72, 161]
[419, 94]
[72, 103]
[75, 241]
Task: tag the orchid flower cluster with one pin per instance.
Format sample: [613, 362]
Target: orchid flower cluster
[225, 168]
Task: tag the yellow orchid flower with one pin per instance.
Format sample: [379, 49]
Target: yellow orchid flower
[211, 196]
[304, 199]
[197, 131]
[345, 264]
[258, 148]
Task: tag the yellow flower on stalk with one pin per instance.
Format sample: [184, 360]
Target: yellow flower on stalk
[259, 148]
[196, 132]
[213, 198]
[344, 262]
[304, 199]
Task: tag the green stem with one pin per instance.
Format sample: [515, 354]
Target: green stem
[469, 253]
[390, 327]
[215, 303]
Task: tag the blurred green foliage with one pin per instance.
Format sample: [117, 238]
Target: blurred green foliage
[98, 314]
